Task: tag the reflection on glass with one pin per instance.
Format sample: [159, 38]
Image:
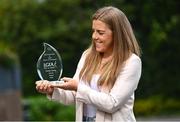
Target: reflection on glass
[49, 65]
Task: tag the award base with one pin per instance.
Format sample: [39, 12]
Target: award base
[57, 82]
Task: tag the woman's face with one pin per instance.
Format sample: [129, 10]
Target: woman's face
[102, 37]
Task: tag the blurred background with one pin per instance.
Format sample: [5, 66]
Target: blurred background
[66, 25]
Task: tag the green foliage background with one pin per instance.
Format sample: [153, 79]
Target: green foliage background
[66, 25]
[41, 109]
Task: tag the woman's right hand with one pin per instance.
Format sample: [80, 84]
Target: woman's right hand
[44, 86]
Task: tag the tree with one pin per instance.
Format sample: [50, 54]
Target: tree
[66, 25]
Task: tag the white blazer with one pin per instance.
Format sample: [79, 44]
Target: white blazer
[114, 105]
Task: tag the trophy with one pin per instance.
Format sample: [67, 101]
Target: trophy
[49, 65]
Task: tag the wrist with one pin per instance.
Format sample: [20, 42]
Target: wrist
[50, 93]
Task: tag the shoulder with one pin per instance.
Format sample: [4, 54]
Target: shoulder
[133, 63]
[83, 57]
[85, 54]
[133, 58]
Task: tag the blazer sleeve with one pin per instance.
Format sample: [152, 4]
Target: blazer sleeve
[122, 90]
[67, 97]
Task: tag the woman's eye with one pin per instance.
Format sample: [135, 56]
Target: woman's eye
[101, 33]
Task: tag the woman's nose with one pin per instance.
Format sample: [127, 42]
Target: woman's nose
[94, 36]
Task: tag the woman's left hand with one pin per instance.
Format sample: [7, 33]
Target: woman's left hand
[69, 84]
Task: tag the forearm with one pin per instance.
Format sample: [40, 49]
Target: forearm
[63, 96]
[102, 101]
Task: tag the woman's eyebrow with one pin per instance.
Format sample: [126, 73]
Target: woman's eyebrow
[99, 30]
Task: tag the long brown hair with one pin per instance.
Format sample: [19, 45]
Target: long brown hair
[124, 44]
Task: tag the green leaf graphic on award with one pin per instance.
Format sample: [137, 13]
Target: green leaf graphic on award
[49, 65]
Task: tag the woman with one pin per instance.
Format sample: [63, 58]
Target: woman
[107, 74]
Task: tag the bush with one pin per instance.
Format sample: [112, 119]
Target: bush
[157, 106]
[41, 109]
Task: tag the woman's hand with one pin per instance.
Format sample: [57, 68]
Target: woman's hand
[69, 84]
[44, 86]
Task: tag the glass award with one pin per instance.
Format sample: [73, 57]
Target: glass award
[49, 65]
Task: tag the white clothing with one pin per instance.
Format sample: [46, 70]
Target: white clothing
[114, 105]
[88, 109]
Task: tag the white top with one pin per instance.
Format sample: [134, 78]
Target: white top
[88, 109]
